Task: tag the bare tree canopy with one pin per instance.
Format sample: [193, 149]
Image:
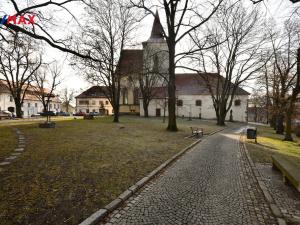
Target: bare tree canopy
[19, 61]
[104, 38]
[45, 82]
[235, 41]
[43, 29]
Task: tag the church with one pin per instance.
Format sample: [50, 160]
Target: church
[193, 97]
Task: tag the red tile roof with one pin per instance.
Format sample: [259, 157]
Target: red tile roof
[192, 84]
[94, 92]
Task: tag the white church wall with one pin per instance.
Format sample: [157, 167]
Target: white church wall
[189, 107]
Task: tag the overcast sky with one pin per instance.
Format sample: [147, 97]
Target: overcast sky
[276, 9]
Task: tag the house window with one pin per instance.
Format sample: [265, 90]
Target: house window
[93, 102]
[87, 111]
[198, 103]
[237, 102]
[83, 102]
[36, 105]
[54, 106]
[11, 98]
[179, 103]
[50, 106]
[28, 104]
[136, 96]
[106, 102]
[125, 96]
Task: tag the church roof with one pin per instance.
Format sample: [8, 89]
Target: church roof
[131, 61]
[192, 84]
[157, 29]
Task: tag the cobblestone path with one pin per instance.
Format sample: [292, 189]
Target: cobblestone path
[211, 184]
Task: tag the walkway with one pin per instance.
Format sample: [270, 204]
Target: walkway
[211, 184]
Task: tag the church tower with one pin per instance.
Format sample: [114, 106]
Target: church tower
[155, 51]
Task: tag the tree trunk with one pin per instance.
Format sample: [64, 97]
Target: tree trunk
[221, 116]
[18, 105]
[146, 106]
[288, 130]
[172, 126]
[279, 124]
[116, 114]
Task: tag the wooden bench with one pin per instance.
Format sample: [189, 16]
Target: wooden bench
[289, 171]
[197, 131]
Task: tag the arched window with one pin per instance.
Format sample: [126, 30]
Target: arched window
[125, 96]
[136, 96]
[155, 64]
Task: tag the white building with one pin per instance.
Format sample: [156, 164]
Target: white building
[93, 100]
[194, 100]
[31, 105]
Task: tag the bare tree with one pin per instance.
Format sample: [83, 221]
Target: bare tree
[41, 28]
[285, 46]
[104, 39]
[67, 97]
[45, 85]
[182, 17]
[235, 55]
[18, 64]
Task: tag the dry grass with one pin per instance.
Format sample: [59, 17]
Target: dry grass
[270, 143]
[8, 142]
[69, 172]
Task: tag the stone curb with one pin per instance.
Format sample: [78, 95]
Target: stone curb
[274, 208]
[99, 215]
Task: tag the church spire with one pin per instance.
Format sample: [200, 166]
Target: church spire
[157, 29]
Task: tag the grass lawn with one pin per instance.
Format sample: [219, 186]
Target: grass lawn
[69, 172]
[8, 142]
[270, 143]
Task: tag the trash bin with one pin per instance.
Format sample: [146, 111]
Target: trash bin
[251, 133]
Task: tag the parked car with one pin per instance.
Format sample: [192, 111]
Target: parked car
[63, 114]
[48, 113]
[94, 114]
[6, 115]
[36, 115]
[80, 114]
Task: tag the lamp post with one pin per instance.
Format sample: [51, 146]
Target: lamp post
[200, 114]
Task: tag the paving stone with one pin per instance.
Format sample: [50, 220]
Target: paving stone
[11, 158]
[19, 149]
[4, 163]
[211, 185]
[285, 196]
[15, 154]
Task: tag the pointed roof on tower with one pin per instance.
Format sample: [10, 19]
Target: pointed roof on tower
[157, 29]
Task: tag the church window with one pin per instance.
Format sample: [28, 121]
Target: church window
[179, 103]
[125, 96]
[155, 64]
[237, 102]
[136, 96]
[198, 102]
